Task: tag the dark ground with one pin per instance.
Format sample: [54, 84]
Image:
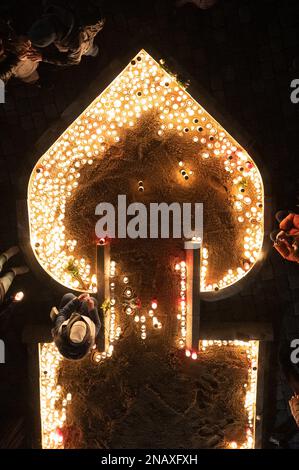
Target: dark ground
[241, 51]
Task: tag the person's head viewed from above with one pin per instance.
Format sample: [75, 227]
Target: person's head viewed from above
[74, 339]
[43, 32]
[78, 332]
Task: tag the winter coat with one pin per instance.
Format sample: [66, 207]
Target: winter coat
[73, 306]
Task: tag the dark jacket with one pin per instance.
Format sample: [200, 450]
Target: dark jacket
[78, 306]
[72, 311]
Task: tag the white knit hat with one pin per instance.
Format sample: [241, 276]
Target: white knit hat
[78, 332]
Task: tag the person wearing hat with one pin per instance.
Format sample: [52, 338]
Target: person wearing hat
[60, 36]
[77, 325]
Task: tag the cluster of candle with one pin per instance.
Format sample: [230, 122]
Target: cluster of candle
[181, 268]
[139, 317]
[114, 331]
[143, 87]
[52, 404]
[140, 186]
[251, 388]
[231, 277]
[251, 348]
[185, 174]
[152, 316]
[130, 309]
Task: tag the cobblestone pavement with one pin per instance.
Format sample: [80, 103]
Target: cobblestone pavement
[241, 51]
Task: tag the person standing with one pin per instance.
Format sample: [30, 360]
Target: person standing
[65, 33]
[76, 325]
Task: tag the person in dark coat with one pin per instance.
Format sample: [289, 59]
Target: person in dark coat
[76, 326]
[64, 34]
